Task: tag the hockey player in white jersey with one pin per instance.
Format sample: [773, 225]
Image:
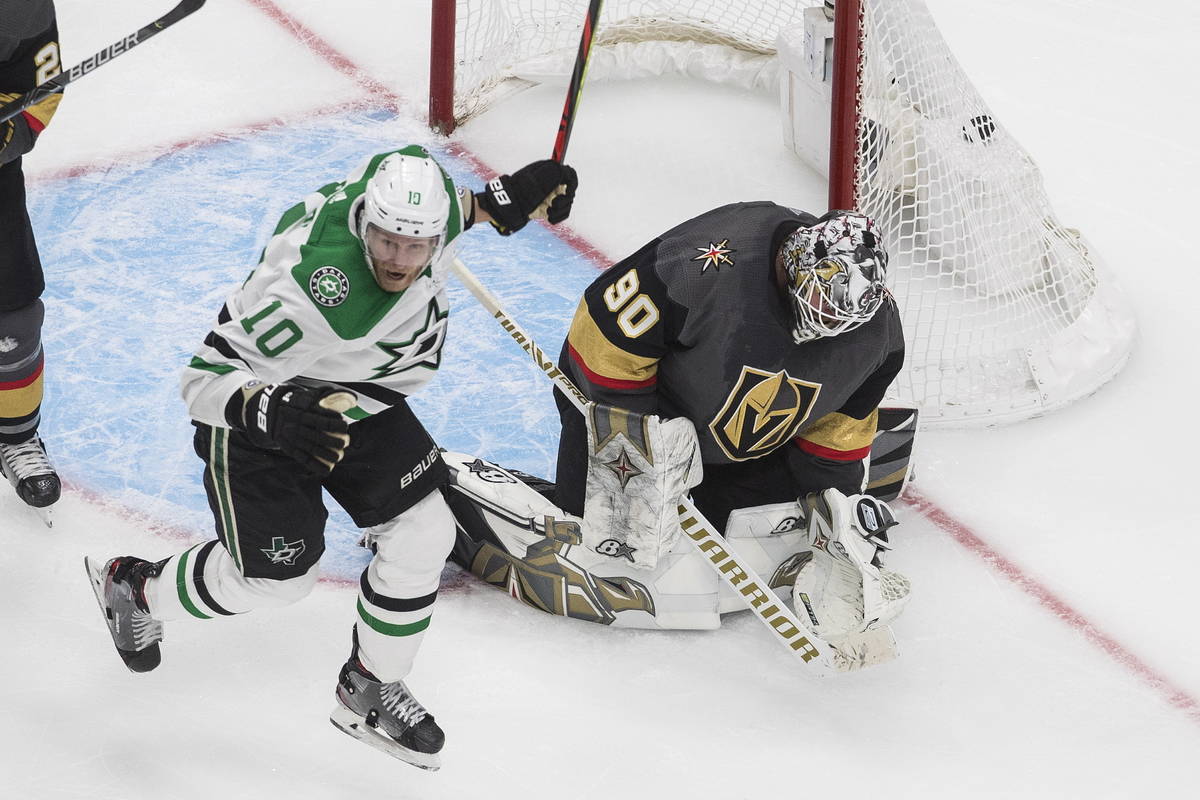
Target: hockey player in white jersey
[301, 386]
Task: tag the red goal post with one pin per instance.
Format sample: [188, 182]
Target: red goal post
[442, 45]
[1007, 312]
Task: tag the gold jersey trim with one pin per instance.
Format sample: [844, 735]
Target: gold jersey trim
[603, 358]
[836, 431]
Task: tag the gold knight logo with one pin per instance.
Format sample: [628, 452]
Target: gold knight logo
[761, 412]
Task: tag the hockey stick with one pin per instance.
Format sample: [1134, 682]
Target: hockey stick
[60, 81]
[821, 658]
[575, 88]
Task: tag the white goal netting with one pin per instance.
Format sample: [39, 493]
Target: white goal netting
[1007, 313]
[501, 45]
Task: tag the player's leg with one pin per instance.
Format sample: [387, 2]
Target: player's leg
[389, 483]
[270, 523]
[23, 456]
[745, 484]
[570, 478]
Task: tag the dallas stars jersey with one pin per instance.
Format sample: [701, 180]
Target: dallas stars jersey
[311, 312]
[693, 325]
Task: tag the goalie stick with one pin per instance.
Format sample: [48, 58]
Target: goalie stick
[821, 658]
[60, 81]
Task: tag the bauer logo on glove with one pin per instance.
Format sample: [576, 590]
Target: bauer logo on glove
[305, 424]
[543, 189]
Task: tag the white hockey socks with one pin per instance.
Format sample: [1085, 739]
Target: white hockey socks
[399, 587]
[203, 582]
[843, 589]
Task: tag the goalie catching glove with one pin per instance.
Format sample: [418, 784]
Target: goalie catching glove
[305, 424]
[541, 189]
[843, 588]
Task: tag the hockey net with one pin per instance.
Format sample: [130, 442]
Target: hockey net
[1007, 313]
[484, 50]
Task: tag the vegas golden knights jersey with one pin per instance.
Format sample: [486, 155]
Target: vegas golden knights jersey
[693, 325]
[28, 57]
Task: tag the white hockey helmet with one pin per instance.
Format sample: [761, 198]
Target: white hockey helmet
[836, 275]
[406, 197]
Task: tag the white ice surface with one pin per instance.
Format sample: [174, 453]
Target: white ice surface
[994, 696]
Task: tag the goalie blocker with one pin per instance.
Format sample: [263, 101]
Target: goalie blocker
[514, 537]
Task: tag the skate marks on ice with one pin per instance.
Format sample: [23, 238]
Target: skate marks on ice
[144, 255]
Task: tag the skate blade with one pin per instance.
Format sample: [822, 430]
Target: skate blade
[96, 579]
[137, 660]
[352, 724]
[46, 515]
[860, 650]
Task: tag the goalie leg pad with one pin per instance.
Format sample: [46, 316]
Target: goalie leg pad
[512, 537]
[843, 589]
[772, 540]
[639, 468]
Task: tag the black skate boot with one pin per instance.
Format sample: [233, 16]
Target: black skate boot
[28, 469]
[386, 716]
[120, 589]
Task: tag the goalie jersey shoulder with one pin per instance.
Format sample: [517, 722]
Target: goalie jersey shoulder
[708, 273]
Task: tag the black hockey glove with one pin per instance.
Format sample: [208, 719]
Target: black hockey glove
[303, 423]
[541, 189]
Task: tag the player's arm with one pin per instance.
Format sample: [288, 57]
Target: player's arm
[268, 329]
[624, 325]
[543, 189]
[831, 452]
[241, 379]
[34, 61]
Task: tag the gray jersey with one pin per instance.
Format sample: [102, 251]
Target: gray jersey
[29, 57]
[21, 19]
[693, 325]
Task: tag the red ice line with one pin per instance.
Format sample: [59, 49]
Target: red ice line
[308, 38]
[1060, 608]
[957, 530]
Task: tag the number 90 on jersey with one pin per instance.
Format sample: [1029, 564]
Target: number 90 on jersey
[636, 312]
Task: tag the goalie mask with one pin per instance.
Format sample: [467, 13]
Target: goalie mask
[402, 219]
[836, 273]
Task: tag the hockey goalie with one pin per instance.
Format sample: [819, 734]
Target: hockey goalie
[739, 359]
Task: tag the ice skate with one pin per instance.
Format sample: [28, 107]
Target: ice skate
[386, 716]
[28, 469]
[120, 590]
